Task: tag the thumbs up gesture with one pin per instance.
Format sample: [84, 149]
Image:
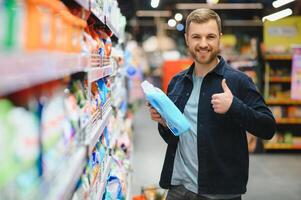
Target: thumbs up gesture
[221, 102]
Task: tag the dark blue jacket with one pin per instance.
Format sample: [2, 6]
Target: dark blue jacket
[223, 157]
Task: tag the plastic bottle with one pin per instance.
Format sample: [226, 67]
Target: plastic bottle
[175, 120]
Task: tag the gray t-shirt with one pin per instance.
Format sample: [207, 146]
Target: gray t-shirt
[185, 170]
[186, 161]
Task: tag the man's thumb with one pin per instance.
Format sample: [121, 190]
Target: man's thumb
[225, 86]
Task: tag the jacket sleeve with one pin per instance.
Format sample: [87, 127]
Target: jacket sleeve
[165, 132]
[251, 112]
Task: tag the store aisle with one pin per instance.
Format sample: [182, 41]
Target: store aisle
[149, 151]
[272, 176]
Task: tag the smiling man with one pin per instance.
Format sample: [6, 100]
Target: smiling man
[211, 160]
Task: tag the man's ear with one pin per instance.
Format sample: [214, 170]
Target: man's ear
[186, 40]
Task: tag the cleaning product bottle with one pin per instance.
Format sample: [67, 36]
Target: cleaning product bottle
[175, 120]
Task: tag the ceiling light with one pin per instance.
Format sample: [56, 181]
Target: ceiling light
[212, 1]
[155, 3]
[180, 27]
[178, 17]
[278, 15]
[279, 3]
[172, 22]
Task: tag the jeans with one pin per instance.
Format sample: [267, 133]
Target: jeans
[181, 193]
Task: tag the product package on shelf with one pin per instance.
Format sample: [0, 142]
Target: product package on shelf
[19, 152]
[62, 135]
[12, 34]
[40, 25]
[118, 182]
[100, 44]
[114, 18]
[78, 91]
[95, 173]
[101, 94]
[56, 138]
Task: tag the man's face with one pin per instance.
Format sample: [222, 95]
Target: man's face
[203, 41]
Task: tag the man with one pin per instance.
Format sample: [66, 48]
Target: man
[211, 160]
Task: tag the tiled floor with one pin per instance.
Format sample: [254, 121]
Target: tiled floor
[272, 176]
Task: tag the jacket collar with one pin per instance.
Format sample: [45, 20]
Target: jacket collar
[219, 69]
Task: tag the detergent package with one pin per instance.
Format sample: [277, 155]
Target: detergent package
[174, 118]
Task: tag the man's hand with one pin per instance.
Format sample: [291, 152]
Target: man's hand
[155, 115]
[221, 102]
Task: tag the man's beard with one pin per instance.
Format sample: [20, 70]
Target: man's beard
[211, 58]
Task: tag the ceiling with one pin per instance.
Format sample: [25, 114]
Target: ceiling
[129, 7]
[140, 26]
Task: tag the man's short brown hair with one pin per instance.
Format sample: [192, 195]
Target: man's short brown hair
[203, 15]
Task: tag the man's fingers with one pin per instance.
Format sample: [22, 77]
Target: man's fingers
[153, 111]
[158, 119]
[156, 115]
[217, 96]
[215, 101]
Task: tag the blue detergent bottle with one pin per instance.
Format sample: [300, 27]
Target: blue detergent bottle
[174, 118]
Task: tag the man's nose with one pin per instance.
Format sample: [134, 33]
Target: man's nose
[203, 43]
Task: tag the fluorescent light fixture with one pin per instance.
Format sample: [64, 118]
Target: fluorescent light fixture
[279, 3]
[212, 1]
[178, 17]
[155, 3]
[171, 22]
[220, 6]
[278, 15]
[153, 13]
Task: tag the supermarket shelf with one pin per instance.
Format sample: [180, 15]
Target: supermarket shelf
[275, 146]
[112, 28]
[98, 130]
[278, 57]
[107, 106]
[280, 79]
[66, 180]
[23, 70]
[283, 102]
[94, 189]
[104, 176]
[244, 64]
[288, 121]
[84, 3]
[97, 73]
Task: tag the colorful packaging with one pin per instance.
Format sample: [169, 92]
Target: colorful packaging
[19, 177]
